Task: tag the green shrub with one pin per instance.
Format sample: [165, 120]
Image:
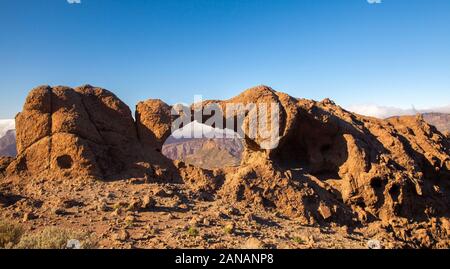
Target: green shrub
[192, 231]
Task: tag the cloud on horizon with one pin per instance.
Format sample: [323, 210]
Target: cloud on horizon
[386, 111]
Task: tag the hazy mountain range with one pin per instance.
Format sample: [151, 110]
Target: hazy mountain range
[7, 138]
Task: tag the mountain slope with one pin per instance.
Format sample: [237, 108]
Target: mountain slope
[8, 144]
[7, 138]
[440, 120]
[205, 153]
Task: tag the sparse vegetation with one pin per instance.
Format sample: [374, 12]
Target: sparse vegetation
[54, 238]
[10, 234]
[192, 231]
[229, 228]
[298, 240]
[130, 220]
[13, 235]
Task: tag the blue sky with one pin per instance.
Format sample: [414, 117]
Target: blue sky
[396, 53]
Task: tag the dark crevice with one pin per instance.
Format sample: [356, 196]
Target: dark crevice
[90, 117]
[49, 159]
[103, 172]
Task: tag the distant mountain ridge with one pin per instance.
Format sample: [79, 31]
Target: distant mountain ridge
[8, 144]
[205, 152]
[8, 138]
[440, 120]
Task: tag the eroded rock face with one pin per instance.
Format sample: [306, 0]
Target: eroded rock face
[329, 165]
[85, 131]
[153, 123]
[349, 164]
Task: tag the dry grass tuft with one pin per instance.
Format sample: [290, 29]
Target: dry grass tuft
[10, 234]
[54, 238]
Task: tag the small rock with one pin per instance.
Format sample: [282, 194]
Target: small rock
[232, 211]
[148, 202]
[72, 203]
[134, 205]
[28, 216]
[206, 222]
[194, 222]
[325, 211]
[137, 181]
[116, 212]
[221, 215]
[59, 211]
[122, 235]
[250, 217]
[253, 243]
[129, 220]
[102, 206]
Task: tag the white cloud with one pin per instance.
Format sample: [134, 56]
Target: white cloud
[6, 125]
[74, 1]
[374, 1]
[386, 111]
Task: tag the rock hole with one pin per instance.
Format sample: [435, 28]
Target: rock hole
[325, 148]
[376, 183]
[64, 162]
[394, 191]
[360, 203]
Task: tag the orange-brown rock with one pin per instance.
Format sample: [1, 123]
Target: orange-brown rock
[330, 165]
[154, 120]
[85, 131]
[374, 168]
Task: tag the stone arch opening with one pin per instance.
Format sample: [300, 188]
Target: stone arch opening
[204, 146]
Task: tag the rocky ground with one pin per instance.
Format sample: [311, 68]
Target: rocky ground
[335, 179]
[135, 214]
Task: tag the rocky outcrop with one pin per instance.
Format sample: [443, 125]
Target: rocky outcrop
[352, 165]
[154, 120]
[85, 131]
[328, 165]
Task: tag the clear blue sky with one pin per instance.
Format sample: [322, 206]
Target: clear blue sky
[396, 53]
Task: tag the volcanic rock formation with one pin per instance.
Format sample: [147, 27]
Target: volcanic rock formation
[330, 165]
[84, 131]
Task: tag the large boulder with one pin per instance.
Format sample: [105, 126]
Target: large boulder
[86, 131]
[153, 119]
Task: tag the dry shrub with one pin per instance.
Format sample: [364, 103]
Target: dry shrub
[54, 238]
[10, 234]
